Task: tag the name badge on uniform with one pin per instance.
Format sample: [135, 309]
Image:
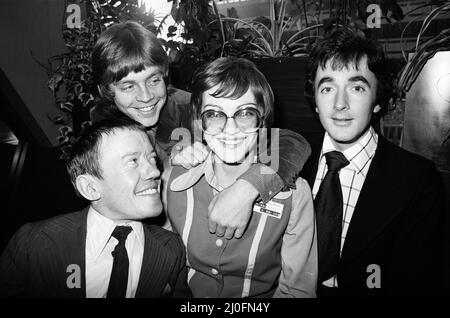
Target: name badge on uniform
[271, 208]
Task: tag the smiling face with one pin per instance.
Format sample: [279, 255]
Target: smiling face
[141, 95]
[345, 100]
[231, 145]
[129, 185]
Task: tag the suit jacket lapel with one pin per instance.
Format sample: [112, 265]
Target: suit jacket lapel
[64, 256]
[154, 271]
[375, 209]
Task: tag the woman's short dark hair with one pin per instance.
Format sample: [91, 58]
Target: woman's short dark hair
[234, 77]
[344, 48]
[124, 48]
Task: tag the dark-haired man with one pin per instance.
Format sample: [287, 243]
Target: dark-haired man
[104, 250]
[379, 208]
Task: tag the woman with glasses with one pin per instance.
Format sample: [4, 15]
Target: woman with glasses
[277, 254]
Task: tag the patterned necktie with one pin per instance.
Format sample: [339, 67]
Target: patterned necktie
[328, 205]
[119, 275]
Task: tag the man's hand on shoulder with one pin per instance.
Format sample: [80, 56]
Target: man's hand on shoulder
[188, 156]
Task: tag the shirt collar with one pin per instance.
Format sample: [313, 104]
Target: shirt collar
[359, 154]
[190, 177]
[100, 228]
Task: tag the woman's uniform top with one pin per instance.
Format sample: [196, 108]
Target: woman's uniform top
[276, 256]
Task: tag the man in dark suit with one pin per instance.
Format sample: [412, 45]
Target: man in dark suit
[104, 250]
[379, 208]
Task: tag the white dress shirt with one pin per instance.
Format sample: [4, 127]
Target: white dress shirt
[99, 260]
[352, 177]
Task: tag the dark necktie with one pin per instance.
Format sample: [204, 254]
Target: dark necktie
[328, 206]
[119, 275]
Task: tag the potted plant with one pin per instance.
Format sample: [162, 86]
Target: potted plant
[193, 40]
[273, 37]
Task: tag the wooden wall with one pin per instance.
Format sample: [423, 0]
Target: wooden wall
[27, 29]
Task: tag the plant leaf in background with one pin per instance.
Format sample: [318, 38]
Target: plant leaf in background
[281, 34]
[423, 50]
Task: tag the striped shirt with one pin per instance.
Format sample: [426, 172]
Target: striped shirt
[352, 177]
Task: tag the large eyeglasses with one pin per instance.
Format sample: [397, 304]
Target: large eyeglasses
[248, 120]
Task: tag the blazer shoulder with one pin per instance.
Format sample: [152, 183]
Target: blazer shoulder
[34, 234]
[406, 160]
[60, 224]
[406, 169]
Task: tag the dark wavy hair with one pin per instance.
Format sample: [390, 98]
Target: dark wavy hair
[343, 48]
[234, 77]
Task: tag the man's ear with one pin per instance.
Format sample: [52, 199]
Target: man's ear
[88, 186]
[317, 109]
[376, 109]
